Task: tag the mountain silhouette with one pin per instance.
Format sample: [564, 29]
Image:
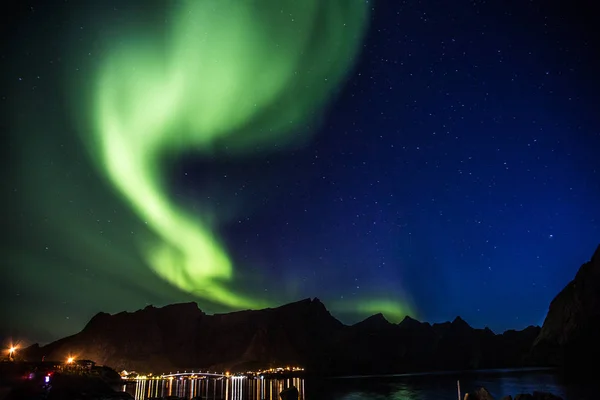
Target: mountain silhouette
[304, 333]
[571, 331]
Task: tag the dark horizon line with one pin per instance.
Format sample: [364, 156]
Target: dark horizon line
[304, 300]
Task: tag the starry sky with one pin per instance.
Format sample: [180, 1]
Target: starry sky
[446, 165]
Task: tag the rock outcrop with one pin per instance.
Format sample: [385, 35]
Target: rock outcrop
[483, 394]
[479, 394]
[570, 334]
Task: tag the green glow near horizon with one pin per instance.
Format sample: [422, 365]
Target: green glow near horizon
[393, 310]
[229, 75]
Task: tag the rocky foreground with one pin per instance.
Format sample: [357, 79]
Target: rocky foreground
[483, 394]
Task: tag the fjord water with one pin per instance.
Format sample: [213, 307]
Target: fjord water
[393, 387]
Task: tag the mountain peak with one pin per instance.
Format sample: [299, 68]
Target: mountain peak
[374, 321]
[307, 303]
[189, 306]
[409, 322]
[458, 321]
[177, 310]
[97, 319]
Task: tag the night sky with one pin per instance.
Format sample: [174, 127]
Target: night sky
[446, 163]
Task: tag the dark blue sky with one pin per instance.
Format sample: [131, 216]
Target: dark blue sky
[457, 167]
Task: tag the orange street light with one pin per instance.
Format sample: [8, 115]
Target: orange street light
[70, 360]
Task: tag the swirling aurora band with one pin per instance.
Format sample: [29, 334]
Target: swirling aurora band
[230, 75]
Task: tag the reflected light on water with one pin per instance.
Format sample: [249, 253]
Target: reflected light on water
[230, 388]
[415, 387]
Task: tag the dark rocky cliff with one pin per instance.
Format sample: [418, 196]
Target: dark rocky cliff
[161, 337]
[570, 335]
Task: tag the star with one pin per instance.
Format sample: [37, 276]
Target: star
[239, 182]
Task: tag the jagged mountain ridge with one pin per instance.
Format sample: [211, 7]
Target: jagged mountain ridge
[304, 333]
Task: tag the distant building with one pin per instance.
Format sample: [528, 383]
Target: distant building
[128, 374]
[85, 364]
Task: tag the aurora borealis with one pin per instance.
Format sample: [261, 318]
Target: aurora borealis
[403, 159]
[217, 80]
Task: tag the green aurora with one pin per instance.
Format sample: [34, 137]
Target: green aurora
[213, 82]
[219, 84]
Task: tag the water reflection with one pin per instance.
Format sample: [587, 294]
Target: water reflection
[444, 387]
[235, 388]
[415, 387]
